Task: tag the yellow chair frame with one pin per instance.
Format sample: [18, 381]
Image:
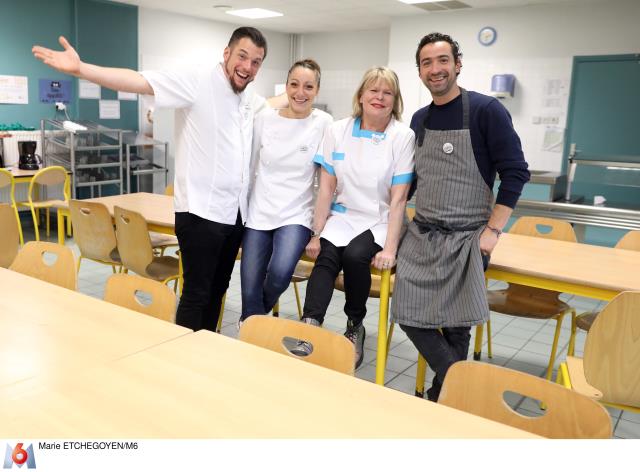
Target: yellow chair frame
[47, 176]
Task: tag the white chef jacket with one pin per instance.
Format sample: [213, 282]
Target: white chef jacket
[214, 128]
[366, 165]
[283, 163]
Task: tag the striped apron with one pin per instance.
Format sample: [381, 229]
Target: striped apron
[439, 277]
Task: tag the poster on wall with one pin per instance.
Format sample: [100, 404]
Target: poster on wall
[127, 96]
[14, 89]
[88, 89]
[109, 109]
[52, 91]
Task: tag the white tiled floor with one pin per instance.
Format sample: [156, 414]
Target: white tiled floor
[520, 344]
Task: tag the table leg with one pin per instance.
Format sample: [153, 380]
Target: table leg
[383, 322]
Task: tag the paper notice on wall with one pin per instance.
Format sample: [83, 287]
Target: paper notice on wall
[127, 96]
[14, 89]
[553, 139]
[88, 89]
[109, 109]
[555, 93]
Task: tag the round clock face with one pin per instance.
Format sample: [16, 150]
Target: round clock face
[487, 36]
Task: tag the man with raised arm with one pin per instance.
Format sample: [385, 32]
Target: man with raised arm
[214, 125]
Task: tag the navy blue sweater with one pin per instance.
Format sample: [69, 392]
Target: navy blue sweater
[496, 145]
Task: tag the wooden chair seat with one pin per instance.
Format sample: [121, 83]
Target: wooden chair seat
[7, 182]
[9, 236]
[162, 268]
[527, 304]
[330, 350]
[122, 289]
[30, 261]
[302, 271]
[134, 246]
[630, 242]
[159, 240]
[94, 233]
[478, 388]
[376, 282]
[609, 368]
[50, 204]
[579, 383]
[585, 320]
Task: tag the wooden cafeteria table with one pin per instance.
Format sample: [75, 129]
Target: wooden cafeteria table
[579, 269]
[49, 331]
[205, 385]
[156, 209]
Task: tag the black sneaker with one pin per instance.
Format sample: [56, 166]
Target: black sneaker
[356, 335]
[303, 348]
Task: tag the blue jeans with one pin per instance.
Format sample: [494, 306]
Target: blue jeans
[269, 259]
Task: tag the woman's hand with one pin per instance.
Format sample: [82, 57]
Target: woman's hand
[66, 61]
[313, 248]
[385, 259]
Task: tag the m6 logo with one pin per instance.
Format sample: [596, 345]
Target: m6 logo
[19, 456]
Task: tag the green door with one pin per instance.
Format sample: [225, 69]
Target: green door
[604, 123]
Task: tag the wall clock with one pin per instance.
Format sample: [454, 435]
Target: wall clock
[487, 36]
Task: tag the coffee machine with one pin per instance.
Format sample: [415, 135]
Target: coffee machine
[28, 160]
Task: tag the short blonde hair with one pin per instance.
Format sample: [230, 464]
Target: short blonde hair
[373, 75]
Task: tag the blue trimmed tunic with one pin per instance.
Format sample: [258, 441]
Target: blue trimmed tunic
[366, 164]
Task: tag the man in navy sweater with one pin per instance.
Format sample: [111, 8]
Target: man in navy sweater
[462, 140]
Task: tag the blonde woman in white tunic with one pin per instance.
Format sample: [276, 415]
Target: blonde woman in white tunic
[285, 144]
[367, 168]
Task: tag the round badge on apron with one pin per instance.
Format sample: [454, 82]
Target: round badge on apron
[447, 148]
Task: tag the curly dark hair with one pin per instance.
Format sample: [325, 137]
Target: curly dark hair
[253, 34]
[435, 37]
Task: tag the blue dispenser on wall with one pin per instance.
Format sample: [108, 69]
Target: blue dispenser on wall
[503, 85]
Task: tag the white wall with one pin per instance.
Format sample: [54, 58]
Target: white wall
[343, 58]
[536, 43]
[168, 39]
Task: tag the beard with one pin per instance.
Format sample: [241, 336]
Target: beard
[235, 87]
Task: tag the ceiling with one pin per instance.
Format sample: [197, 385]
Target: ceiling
[309, 16]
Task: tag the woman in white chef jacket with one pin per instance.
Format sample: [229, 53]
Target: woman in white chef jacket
[367, 164]
[285, 143]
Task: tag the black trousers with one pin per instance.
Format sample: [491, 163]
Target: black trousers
[354, 260]
[209, 251]
[441, 348]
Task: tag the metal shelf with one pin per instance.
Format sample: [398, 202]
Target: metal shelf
[136, 140]
[84, 153]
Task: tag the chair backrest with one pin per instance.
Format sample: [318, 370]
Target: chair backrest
[6, 178]
[612, 351]
[478, 388]
[547, 228]
[330, 349]
[34, 259]
[142, 295]
[134, 243]
[630, 241]
[9, 235]
[168, 190]
[93, 230]
[48, 176]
